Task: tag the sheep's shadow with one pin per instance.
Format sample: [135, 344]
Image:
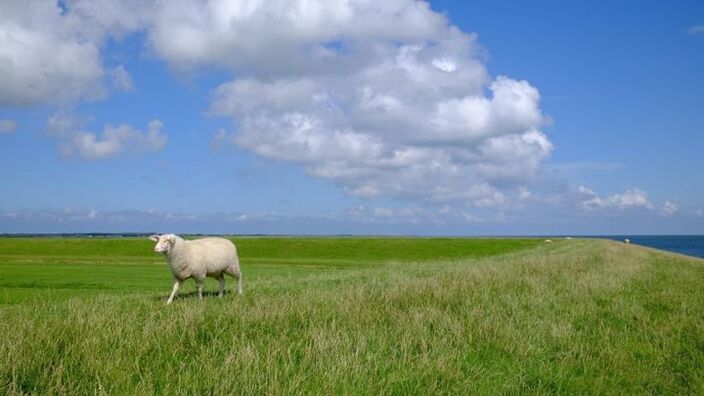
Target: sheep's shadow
[192, 295]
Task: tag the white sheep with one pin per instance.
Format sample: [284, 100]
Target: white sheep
[627, 241]
[197, 259]
[548, 241]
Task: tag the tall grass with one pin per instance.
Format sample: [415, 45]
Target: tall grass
[571, 317]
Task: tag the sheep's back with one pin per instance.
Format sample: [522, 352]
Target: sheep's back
[212, 254]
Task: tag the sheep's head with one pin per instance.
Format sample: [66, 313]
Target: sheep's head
[164, 243]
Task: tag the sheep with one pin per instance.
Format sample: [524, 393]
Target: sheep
[548, 241]
[626, 241]
[197, 259]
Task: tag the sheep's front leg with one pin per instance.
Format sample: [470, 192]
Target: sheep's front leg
[174, 292]
[221, 281]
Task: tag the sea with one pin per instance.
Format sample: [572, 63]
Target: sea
[691, 245]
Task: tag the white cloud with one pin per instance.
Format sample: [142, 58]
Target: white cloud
[40, 62]
[669, 208]
[697, 29]
[51, 54]
[628, 199]
[380, 97]
[383, 98]
[121, 79]
[111, 142]
[7, 126]
[288, 37]
[631, 198]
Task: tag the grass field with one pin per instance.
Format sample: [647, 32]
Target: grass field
[354, 315]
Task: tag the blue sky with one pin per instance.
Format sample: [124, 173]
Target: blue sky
[440, 118]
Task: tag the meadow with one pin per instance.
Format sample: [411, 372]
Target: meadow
[353, 316]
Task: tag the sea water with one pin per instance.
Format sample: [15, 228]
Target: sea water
[691, 245]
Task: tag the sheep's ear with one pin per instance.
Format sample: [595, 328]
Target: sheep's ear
[172, 238]
[154, 238]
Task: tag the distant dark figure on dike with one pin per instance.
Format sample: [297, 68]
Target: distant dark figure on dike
[198, 258]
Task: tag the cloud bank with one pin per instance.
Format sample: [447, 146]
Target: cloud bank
[363, 220]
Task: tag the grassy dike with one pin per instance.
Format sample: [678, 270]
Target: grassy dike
[355, 315]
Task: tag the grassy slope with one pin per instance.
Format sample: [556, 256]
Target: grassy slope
[575, 316]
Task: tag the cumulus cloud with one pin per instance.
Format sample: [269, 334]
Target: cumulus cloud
[113, 141]
[50, 52]
[380, 97]
[383, 98]
[631, 198]
[7, 126]
[287, 37]
[41, 60]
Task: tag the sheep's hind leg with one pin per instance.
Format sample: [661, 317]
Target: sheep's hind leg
[235, 273]
[199, 287]
[221, 281]
[174, 291]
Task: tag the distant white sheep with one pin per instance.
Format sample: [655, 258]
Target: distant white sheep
[548, 241]
[198, 258]
[626, 241]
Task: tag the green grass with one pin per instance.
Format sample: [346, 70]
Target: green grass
[38, 268]
[355, 315]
